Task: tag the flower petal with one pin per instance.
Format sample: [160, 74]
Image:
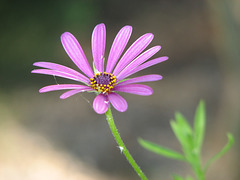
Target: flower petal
[72, 92]
[60, 74]
[98, 46]
[100, 104]
[139, 60]
[118, 102]
[146, 65]
[64, 87]
[145, 78]
[135, 49]
[75, 52]
[138, 89]
[118, 46]
[61, 68]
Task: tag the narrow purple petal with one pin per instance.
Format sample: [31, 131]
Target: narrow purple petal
[118, 102]
[63, 87]
[60, 74]
[118, 46]
[98, 45]
[139, 60]
[75, 52]
[100, 104]
[73, 92]
[61, 68]
[138, 89]
[135, 49]
[145, 78]
[146, 65]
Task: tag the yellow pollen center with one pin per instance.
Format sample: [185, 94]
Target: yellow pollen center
[103, 82]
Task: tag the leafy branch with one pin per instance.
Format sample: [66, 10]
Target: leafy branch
[191, 140]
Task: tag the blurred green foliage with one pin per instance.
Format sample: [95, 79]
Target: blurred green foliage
[191, 140]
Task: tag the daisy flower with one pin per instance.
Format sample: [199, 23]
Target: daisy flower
[105, 83]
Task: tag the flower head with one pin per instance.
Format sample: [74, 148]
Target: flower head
[105, 83]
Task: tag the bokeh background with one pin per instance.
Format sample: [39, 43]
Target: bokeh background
[43, 137]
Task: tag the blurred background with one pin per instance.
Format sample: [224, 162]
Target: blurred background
[43, 137]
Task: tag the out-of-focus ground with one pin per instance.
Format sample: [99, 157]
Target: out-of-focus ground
[28, 156]
[43, 137]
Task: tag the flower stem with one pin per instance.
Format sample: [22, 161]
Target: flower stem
[121, 145]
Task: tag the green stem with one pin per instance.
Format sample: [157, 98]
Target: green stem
[121, 145]
[196, 165]
[199, 173]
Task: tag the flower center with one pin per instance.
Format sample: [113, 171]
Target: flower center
[103, 82]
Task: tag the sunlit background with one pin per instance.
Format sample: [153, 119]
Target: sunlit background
[43, 137]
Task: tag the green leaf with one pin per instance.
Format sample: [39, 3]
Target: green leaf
[94, 69]
[199, 126]
[184, 134]
[161, 150]
[178, 133]
[185, 128]
[189, 178]
[177, 177]
[123, 80]
[182, 122]
[222, 152]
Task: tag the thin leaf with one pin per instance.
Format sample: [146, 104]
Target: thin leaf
[185, 129]
[182, 122]
[189, 178]
[94, 69]
[199, 126]
[123, 80]
[177, 132]
[161, 150]
[184, 134]
[177, 177]
[222, 152]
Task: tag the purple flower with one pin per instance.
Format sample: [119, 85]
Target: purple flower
[105, 83]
